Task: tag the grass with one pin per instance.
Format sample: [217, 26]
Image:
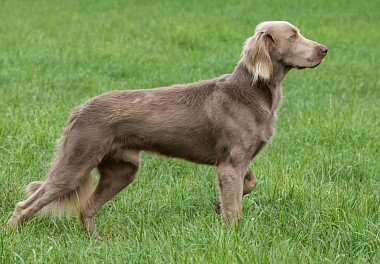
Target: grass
[319, 194]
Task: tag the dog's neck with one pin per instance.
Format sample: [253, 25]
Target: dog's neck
[278, 75]
[242, 75]
[269, 89]
[275, 83]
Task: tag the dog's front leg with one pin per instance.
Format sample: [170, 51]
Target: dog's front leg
[230, 179]
[250, 182]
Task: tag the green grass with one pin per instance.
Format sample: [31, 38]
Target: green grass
[319, 194]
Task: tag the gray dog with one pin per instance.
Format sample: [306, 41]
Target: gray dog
[223, 122]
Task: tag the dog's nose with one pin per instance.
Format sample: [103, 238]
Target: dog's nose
[324, 49]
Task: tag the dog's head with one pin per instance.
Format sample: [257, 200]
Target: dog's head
[282, 43]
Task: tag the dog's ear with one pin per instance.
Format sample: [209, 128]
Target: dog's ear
[256, 55]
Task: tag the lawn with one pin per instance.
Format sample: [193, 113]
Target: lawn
[318, 200]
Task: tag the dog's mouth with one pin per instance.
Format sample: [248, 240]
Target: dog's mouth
[311, 67]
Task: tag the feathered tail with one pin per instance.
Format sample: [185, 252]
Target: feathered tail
[70, 203]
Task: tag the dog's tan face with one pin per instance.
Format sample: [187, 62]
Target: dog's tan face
[290, 47]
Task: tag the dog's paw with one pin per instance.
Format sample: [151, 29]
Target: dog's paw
[218, 207]
[15, 221]
[89, 226]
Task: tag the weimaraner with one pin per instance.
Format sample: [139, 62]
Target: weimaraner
[224, 122]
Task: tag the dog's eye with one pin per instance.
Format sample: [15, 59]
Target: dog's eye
[294, 36]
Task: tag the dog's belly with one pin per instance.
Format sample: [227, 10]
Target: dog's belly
[200, 155]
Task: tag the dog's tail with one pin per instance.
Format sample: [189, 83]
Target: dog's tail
[72, 202]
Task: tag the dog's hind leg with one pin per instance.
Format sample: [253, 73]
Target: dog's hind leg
[60, 181]
[76, 156]
[115, 175]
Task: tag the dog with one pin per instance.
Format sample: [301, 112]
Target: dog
[224, 122]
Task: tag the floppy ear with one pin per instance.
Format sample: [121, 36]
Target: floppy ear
[256, 56]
